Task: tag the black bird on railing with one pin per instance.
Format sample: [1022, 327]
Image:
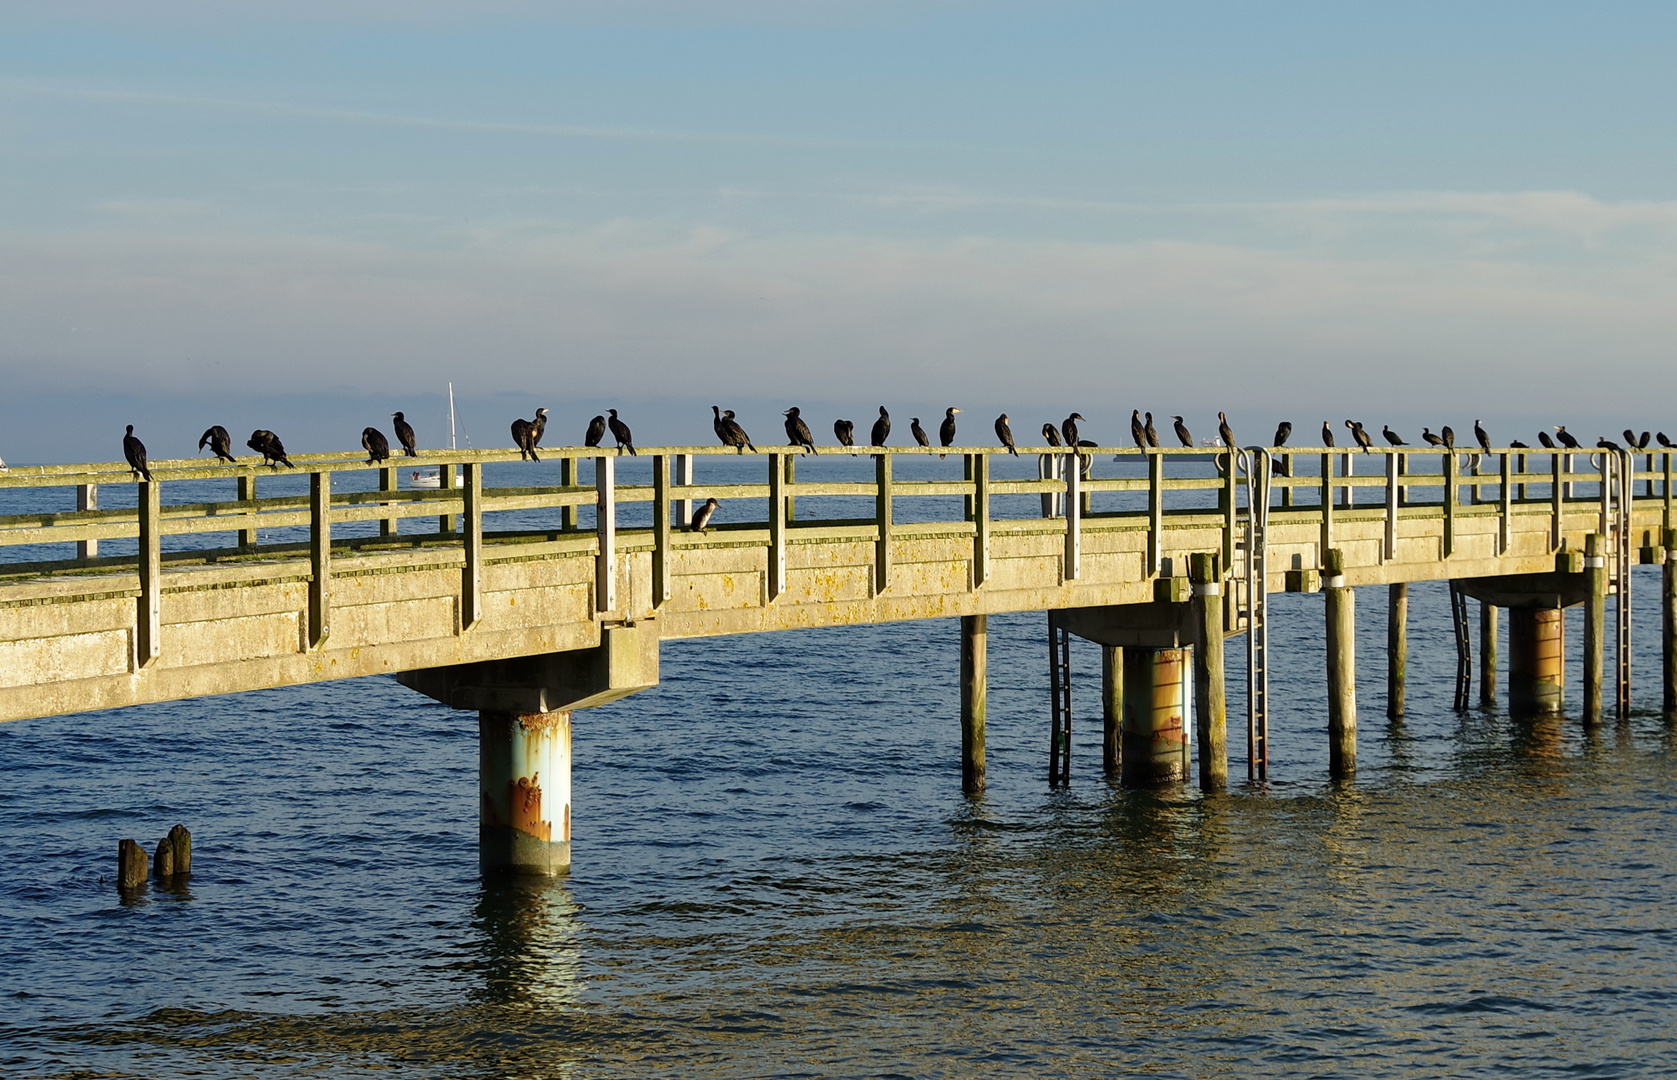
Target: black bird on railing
[797, 432]
[702, 516]
[404, 435]
[1642, 443]
[135, 451]
[1137, 432]
[1429, 438]
[727, 429]
[1327, 434]
[620, 432]
[1391, 436]
[1051, 434]
[881, 428]
[1068, 429]
[1225, 431]
[917, 431]
[1566, 438]
[596, 431]
[268, 444]
[376, 445]
[1151, 432]
[846, 433]
[1604, 443]
[1359, 435]
[221, 443]
[946, 430]
[1518, 445]
[1183, 435]
[1543, 437]
[1630, 438]
[527, 435]
[1447, 436]
[1665, 442]
[1005, 434]
[1283, 432]
[1484, 439]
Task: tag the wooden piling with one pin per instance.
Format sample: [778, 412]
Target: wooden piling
[1210, 697]
[1595, 624]
[1397, 647]
[131, 865]
[163, 863]
[975, 666]
[1342, 667]
[1668, 618]
[1487, 655]
[1112, 709]
[181, 838]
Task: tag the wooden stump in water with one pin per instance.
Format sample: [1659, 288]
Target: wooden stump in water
[163, 863]
[181, 838]
[131, 865]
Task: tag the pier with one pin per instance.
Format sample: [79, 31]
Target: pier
[526, 604]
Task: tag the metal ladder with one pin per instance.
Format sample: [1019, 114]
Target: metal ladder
[1251, 603]
[1464, 646]
[1059, 691]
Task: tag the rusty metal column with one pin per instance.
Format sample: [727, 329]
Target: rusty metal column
[1112, 709]
[1595, 624]
[1397, 647]
[1536, 661]
[1210, 695]
[975, 667]
[524, 792]
[1155, 746]
[1342, 667]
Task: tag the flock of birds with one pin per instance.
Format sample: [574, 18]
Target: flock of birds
[527, 437]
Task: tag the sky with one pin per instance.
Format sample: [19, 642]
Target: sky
[305, 215]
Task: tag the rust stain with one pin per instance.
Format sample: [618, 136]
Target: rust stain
[526, 803]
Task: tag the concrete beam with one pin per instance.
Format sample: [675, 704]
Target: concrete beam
[1551, 590]
[1157, 625]
[625, 661]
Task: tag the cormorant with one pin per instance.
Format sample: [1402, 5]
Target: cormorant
[1224, 430]
[268, 444]
[1566, 438]
[1448, 436]
[727, 429]
[404, 435]
[1185, 436]
[1642, 443]
[135, 451]
[1359, 435]
[1137, 432]
[376, 445]
[1543, 437]
[526, 434]
[1052, 434]
[1484, 439]
[1665, 442]
[1429, 438]
[217, 439]
[1068, 428]
[1630, 438]
[946, 430]
[881, 428]
[702, 516]
[596, 431]
[1152, 432]
[620, 432]
[846, 432]
[918, 431]
[1605, 443]
[1327, 434]
[1283, 432]
[1518, 445]
[1005, 434]
[1391, 436]
[797, 432]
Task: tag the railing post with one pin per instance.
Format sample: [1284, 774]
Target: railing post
[777, 522]
[1048, 468]
[1327, 503]
[87, 498]
[387, 481]
[1452, 481]
[1392, 489]
[1606, 497]
[568, 478]
[247, 493]
[471, 526]
[1507, 531]
[605, 512]
[978, 471]
[882, 519]
[1155, 511]
[1072, 567]
[683, 478]
[660, 529]
[1666, 523]
[1287, 492]
[148, 624]
[790, 475]
[445, 482]
[1229, 498]
[1557, 502]
[320, 557]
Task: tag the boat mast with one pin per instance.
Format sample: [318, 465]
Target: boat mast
[452, 445]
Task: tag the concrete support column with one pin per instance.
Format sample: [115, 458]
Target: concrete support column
[524, 792]
[1155, 749]
[1210, 695]
[1595, 624]
[1668, 622]
[1536, 655]
[1487, 654]
[1342, 667]
[1397, 647]
[1112, 709]
[975, 665]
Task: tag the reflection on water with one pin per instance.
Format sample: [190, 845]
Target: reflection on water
[528, 934]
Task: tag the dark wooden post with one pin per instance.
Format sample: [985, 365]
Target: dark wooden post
[1342, 667]
[1397, 647]
[974, 693]
[1487, 655]
[1112, 709]
[131, 865]
[1210, 698]
[1595, 628]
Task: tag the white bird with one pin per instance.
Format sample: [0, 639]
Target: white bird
[702, 516]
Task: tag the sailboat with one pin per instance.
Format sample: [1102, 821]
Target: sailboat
[433, 478]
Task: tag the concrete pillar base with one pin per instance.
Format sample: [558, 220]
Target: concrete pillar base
[1155, 745]
[524, 792]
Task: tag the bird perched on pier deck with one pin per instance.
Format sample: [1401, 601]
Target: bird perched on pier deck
[376, 445]
[1566, 438]
[1479, 433]
[1137, 432]
[1359, 435]
[1604, 443]
[1151, 432]
[797, 432]
[527, 435]
[1183, 435]
[727, 429]
[1447, 436]
[881, 428]
[1665, 442]
[1005, 434]
[946, 430]
[1391, 436]
[1051, 434]
[620, 432]
[1429, 438]
[1224, 431]
[1642, 443]
[1518, 445]
[1068, 428]
[404, 435]
[702, 516]
[1283, 432]
[917, 431]
[135, 451]
[268, 444]
[846, 433]
[596, 431]
[1327, 434]
[1543, 437]
[219, 442]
